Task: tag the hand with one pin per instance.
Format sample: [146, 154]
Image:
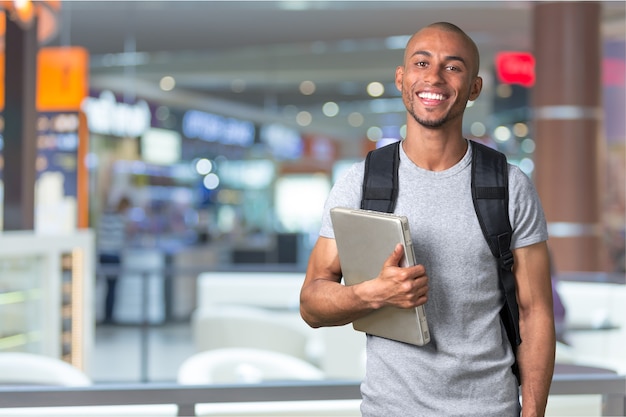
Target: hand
[404, 287]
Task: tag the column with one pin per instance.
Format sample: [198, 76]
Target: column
[567, 126]
[20, 126]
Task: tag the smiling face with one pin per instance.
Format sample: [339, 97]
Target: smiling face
[439, 76]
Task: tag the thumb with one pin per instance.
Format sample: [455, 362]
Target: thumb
[396, 256]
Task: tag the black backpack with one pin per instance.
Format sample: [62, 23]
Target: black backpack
[490, 194]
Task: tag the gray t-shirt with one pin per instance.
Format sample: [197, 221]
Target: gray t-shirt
[465, 370]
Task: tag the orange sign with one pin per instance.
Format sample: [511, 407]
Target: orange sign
[1, 80]
[62, 78]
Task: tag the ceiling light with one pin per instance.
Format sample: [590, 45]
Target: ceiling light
[374, 133]
[355, 119]
[504, 90]
[375, 89]
[204, 166]
[478, 129]
[211, 181]
[304, 118]
[403, 131]
[23, 13]
[167, 83]
[307, 87]
[528, 145]
[527, 165]
[502, 134]
[330, 109]
[520, 129]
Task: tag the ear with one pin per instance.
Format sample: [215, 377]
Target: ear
[476, 88]
[399, 77]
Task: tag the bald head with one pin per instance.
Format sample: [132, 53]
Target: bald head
[449, 27]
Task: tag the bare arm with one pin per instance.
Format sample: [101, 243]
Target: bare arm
[324, 301]
[536, 353]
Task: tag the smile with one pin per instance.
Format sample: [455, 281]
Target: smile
[431, 96]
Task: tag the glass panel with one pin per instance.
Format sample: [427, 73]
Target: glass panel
[21, 306]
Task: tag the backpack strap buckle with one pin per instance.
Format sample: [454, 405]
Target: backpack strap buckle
[505, 260]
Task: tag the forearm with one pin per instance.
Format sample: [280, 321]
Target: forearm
[328, 303]
[324, 301]
[535, 358]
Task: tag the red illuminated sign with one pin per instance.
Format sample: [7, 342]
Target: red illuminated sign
[516, 68]
[613, 72]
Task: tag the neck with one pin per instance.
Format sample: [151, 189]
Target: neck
[434, 149]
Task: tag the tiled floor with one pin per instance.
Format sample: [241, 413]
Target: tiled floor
[129, 354]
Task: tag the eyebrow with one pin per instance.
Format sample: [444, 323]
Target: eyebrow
[448, 57]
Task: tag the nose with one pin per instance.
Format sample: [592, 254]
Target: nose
[433, 75]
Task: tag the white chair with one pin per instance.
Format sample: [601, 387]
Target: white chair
[236, 365]
[244, 365]
[20, 368]
[222, 326]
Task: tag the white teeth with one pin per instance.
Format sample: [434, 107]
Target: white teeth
[431, 96]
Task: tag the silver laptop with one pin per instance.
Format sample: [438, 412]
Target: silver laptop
[365, 239]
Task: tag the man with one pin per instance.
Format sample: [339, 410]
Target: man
[466, 368]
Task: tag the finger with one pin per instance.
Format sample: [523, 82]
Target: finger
[396, 256]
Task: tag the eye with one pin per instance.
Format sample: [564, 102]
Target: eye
[421, 64]
[453, 68]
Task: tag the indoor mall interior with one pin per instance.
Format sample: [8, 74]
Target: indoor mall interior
[164, 167]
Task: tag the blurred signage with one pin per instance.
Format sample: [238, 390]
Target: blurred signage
[107, 116]
[253, 174]
[160, 146]
[57, 132]
[57, 188]
[60, 197]
[213, 128]
[516, 68]
[62, 78]
[283, 142]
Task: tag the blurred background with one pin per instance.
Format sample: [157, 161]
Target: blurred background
[222, 126]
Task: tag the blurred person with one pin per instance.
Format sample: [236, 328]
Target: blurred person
[111, 240]
[466, 369]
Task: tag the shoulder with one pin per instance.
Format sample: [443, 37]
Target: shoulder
[351, 176]
[519, 181]
[525, 210]
[347, 189]
[345, 192]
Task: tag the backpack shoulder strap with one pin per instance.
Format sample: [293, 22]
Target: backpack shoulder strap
[490, 194]
[380, 182]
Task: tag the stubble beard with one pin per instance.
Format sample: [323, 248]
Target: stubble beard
[431, 124]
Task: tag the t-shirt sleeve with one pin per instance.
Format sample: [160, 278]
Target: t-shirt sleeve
[525, 210]
[346, 192]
